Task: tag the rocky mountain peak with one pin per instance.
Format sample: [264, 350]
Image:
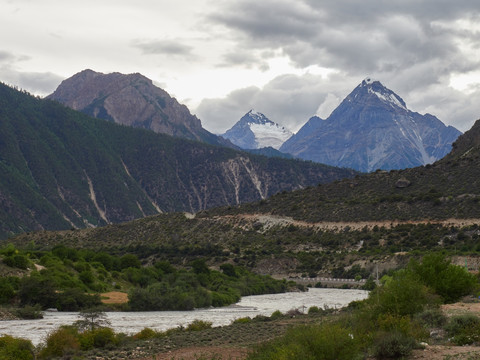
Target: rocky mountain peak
[256, 118]
[132, 100]
[371, 90]
[373, 129]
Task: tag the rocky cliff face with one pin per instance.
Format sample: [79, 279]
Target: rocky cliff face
[131, 100]
[373, 129]
[254, 131]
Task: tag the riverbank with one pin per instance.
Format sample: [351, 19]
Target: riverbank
[7, 314]
[133, 322]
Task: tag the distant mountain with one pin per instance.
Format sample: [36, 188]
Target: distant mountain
[445, 190]
[396, 214]
[62, 169]
[131, 100]
[373, 129]
[254, 131]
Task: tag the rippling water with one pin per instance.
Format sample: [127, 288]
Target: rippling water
[132, 322]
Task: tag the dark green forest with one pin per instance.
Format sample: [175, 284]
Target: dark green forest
[62, 169]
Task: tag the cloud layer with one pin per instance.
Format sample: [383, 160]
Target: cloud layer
[290, 59]
[414, 48]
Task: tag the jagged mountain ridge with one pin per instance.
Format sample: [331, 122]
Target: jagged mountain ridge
[63, 169]
[254, 131]
[373, 129]
[131, 100]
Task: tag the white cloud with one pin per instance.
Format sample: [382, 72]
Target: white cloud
[287, 58]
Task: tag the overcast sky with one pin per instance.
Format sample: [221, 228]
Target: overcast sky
[289, 59]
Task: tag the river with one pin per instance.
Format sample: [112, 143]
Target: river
[133, 322]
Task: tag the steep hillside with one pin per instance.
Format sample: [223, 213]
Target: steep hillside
[372, 219]
[131, 100]
[63, 169]
[373, 129]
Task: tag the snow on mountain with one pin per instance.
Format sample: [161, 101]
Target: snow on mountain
[373, 129]
[254, 131]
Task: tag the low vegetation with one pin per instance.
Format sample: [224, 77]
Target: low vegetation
[396, 318]
[70, 280]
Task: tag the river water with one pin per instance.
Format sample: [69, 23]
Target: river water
[133, 322]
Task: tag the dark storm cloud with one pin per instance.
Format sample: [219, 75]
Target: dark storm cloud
[412, 47]
[164, 47]
[356, 36]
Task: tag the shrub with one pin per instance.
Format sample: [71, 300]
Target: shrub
[393, 345]
[276, 315]
[97, 338]
[17, 261]
[244, 320]
[449, 281]
[432, 318]
[6, 291]
[401, 295]
[146, 333]
[402, 324]
[36, 290]
[61, 342]
[198, 325]
[30, 312]
[314, 310]
[129, 260]
[15, 349]
[324, 342]
[464, 329]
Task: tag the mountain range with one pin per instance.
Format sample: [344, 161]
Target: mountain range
[372, 129]
[359, 221]
[133, 100]
[254, 131]
[62, 169]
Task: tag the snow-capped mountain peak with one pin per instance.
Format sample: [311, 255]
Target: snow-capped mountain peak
[370, 87]
[257, 117]
[254, 131]
[373, 129]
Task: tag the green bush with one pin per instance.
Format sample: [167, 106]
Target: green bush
[393, 345]
[97, 338]
[17, 261]
[401, 295]
[61, 342]
[6, 291]
[432, 318]
[463, 329]
[198, 325]
[449, 281]
[276, 315]
[315, 310]
[30, 312]
[244, 320]
[324, 342]
[15, 349]
[146, 333]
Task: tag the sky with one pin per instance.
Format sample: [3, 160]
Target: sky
[289, 59]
